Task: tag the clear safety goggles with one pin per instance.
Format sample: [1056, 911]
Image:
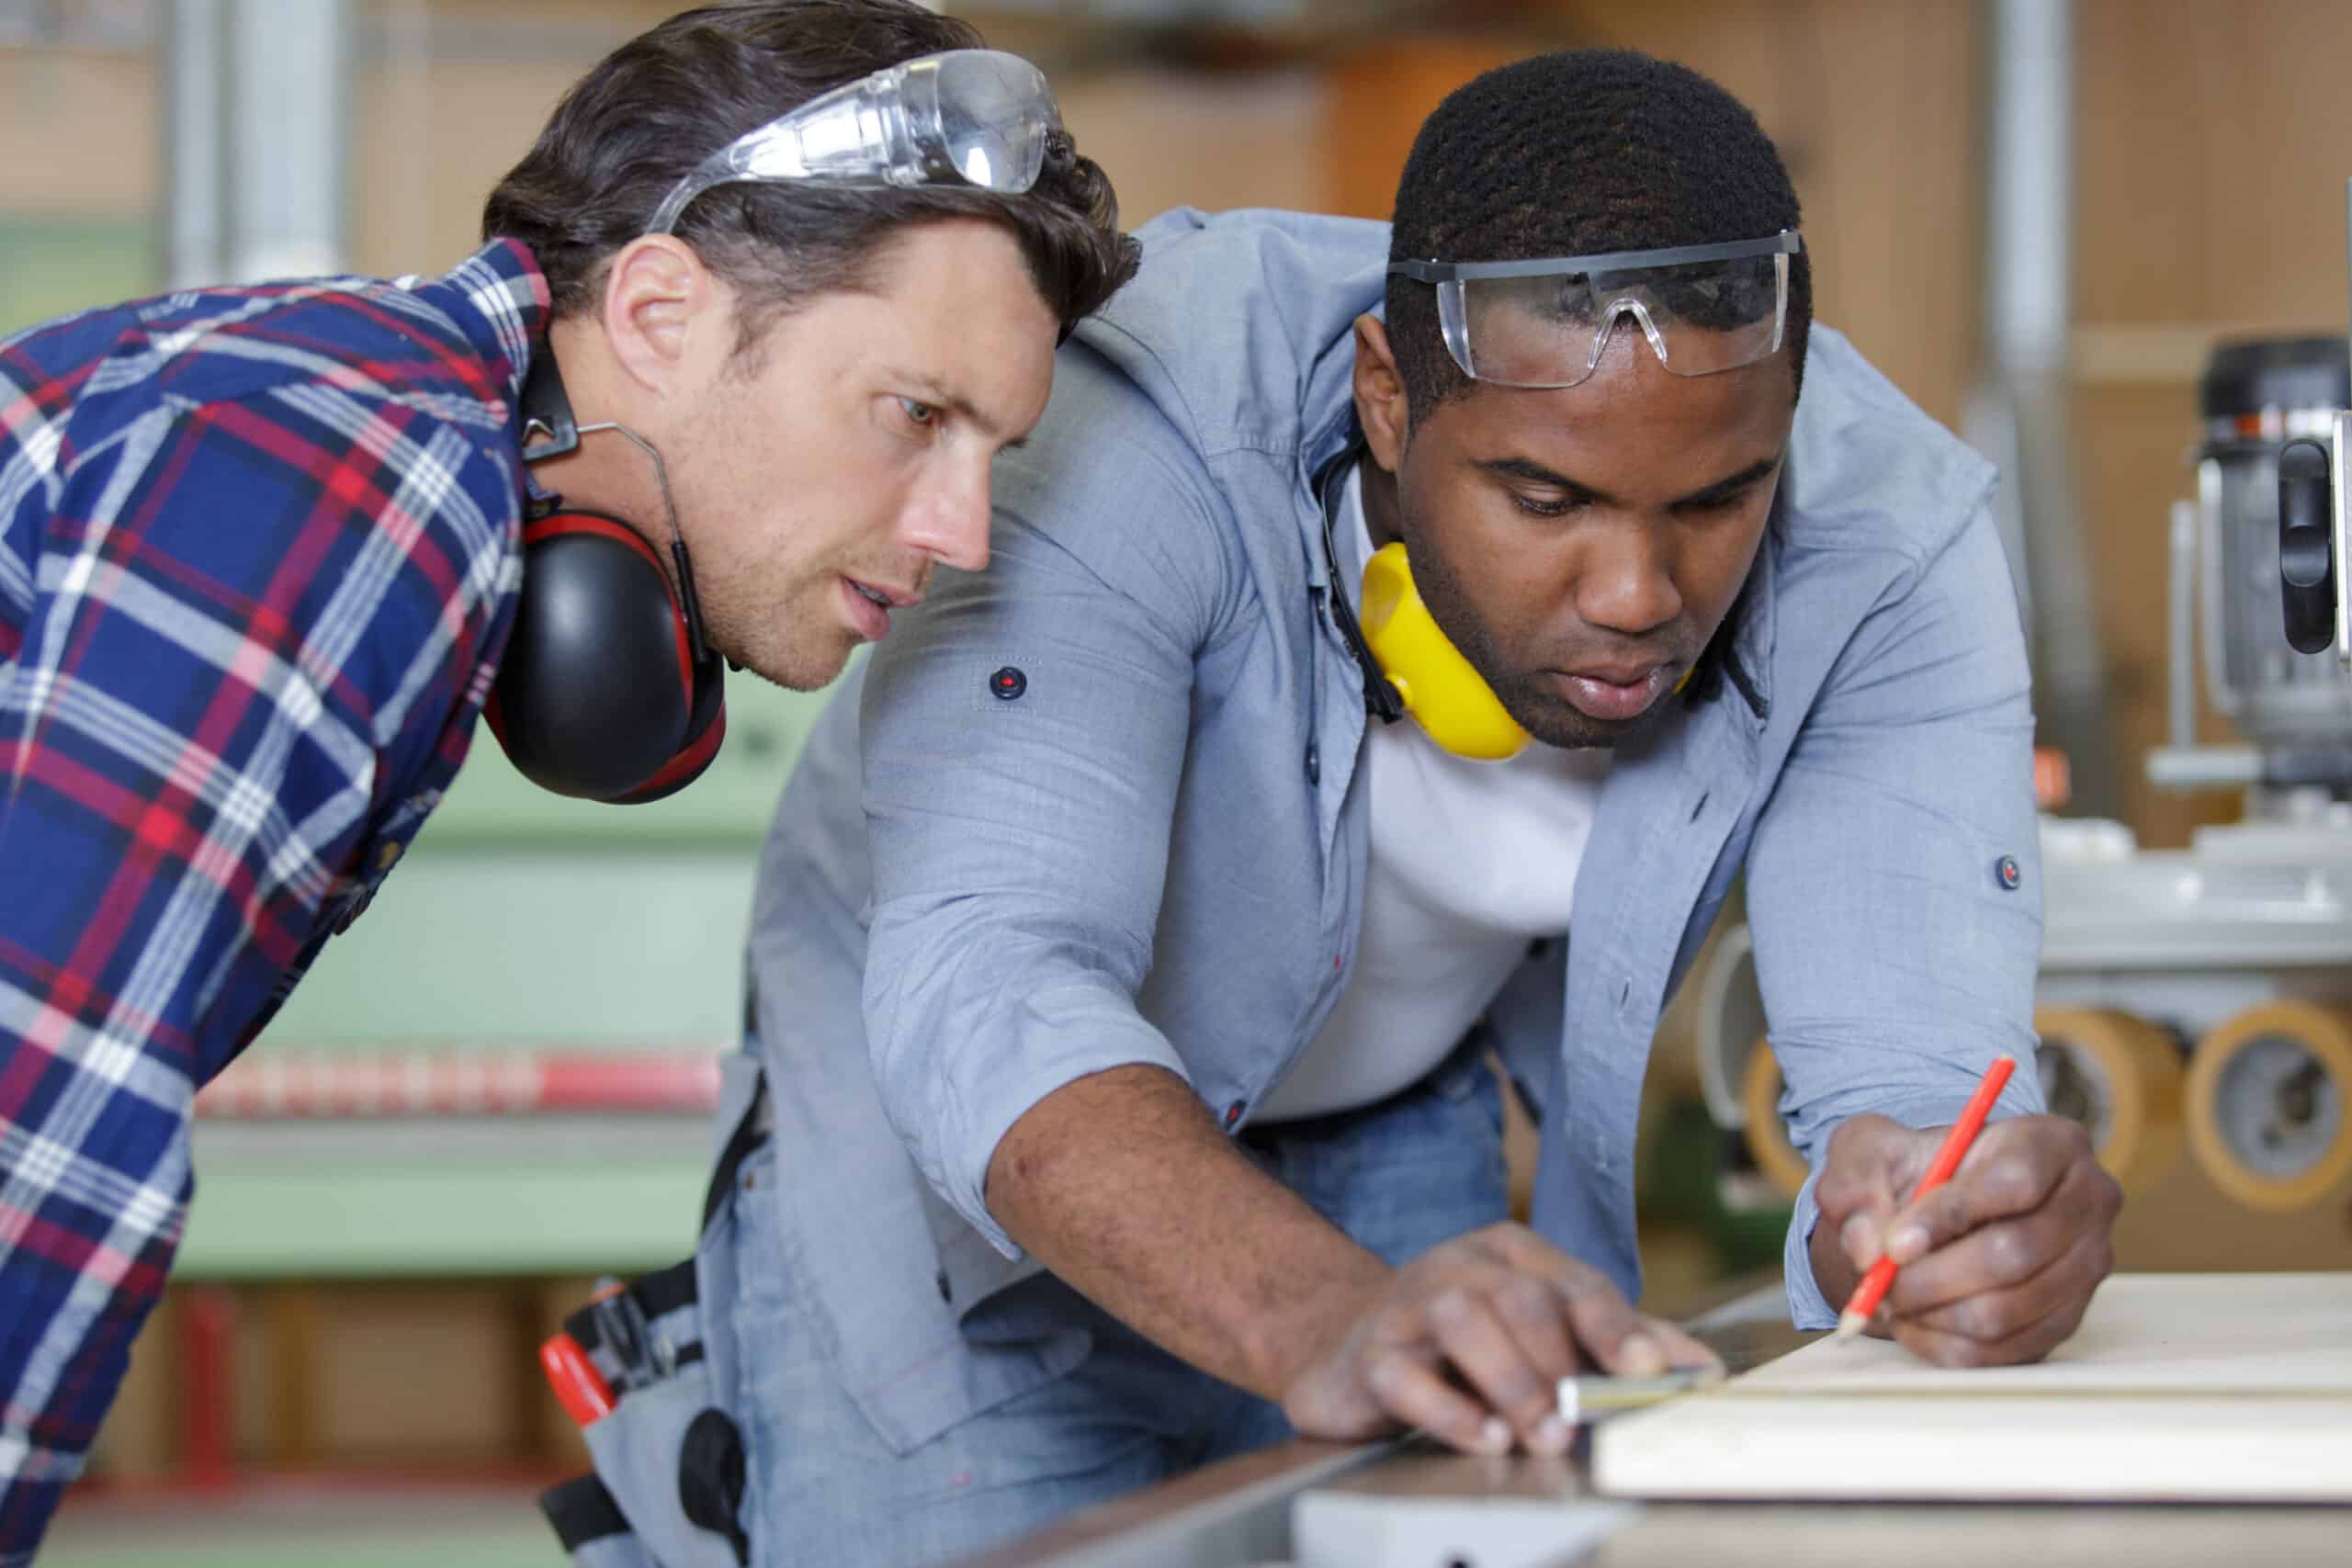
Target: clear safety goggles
[975, 117]
[1546, 322]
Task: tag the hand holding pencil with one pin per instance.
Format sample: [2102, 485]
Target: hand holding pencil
[1968, 1248]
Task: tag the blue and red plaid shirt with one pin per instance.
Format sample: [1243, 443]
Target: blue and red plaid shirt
[258, 555]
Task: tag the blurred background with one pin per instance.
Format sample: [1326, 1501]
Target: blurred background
[2038, 219]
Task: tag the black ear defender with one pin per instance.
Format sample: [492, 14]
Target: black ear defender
[609, 689]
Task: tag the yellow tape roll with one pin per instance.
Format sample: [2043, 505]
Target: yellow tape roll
[2121, 1078]
[1766, 1134]
[2270, 1103]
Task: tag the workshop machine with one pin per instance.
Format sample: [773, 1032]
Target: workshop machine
[2199, 995]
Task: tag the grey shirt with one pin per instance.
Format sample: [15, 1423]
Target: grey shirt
[1156, 852]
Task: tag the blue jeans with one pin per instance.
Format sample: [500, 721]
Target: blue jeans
[1399, 1176]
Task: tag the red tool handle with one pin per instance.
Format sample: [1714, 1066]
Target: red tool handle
[578, 1387]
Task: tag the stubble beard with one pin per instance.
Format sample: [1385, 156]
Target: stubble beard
[1525, 695]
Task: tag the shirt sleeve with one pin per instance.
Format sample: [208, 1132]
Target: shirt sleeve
[253, 625]
[1895, 957]
[1016, 891]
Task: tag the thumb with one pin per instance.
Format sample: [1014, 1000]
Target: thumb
[1863, 1235]
[1867, 1164]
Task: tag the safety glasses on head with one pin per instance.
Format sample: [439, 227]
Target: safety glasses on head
[974, 117]
[1546, 322]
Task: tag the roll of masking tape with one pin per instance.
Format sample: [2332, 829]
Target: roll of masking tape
[1766, 1135]
[2121, 1078]
[2270, 1103]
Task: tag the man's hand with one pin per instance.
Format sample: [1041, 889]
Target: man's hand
[1470, 1340]
[1997, 1265]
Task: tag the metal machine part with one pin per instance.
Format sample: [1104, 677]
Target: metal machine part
[2315, 533]
[2119, 1075]
[2267, 1103]
[2266, 403]
[2144, 953]
[2307, 586]
[1730, 1024]
[2266, 540]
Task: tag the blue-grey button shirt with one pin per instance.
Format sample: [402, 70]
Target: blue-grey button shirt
[1155, 852]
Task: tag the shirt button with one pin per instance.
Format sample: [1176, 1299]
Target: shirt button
[387, 854]
[1314, 763]
[1233, 1111]
[946, 1291]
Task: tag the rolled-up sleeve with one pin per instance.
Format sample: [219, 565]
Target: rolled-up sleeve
[1024, 736]
[1896, 958]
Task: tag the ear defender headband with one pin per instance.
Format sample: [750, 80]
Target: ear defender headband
[1409, 664]
[608, 691]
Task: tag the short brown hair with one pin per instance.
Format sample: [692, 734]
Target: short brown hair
[659, 105]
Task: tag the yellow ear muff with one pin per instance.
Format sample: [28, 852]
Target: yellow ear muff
[1449, 700]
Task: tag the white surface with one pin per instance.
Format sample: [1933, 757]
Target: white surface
[1362, 1529]
[2187, 1387]
[1470, 861]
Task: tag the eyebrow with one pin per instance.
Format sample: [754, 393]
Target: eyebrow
[934, 390]
[1533, 472]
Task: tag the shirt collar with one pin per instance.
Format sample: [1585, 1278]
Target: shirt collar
[499, 297]
[1354, 538]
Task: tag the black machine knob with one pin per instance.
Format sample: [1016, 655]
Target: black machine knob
[2307, 566]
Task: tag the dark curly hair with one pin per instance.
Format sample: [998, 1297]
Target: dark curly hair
[660, 104]
[1578, 153]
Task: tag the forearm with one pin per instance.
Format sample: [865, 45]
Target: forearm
[1123, 1186]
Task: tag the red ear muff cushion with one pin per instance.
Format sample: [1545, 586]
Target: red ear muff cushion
[598, 694]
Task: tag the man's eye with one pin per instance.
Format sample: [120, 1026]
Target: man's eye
[1544, 506]
[923, 414]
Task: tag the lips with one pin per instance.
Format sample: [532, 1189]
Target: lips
[1612, 693]
[869, 620]
[885, 595]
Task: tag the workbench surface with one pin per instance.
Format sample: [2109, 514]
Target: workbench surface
[1391, 1505]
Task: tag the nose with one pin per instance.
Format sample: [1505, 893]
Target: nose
[1627, 581]
[949, 521]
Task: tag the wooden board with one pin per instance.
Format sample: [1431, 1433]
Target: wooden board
[2183, 1387]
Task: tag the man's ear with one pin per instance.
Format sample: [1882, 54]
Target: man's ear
[1380, 394]
[662, 311]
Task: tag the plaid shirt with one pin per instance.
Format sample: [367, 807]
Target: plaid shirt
[258, 555]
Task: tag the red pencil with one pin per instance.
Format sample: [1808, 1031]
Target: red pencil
[1872, 1290]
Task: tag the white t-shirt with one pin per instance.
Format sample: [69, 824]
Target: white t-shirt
[1470, 863]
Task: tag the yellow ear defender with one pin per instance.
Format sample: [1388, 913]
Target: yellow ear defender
[1447, 697]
